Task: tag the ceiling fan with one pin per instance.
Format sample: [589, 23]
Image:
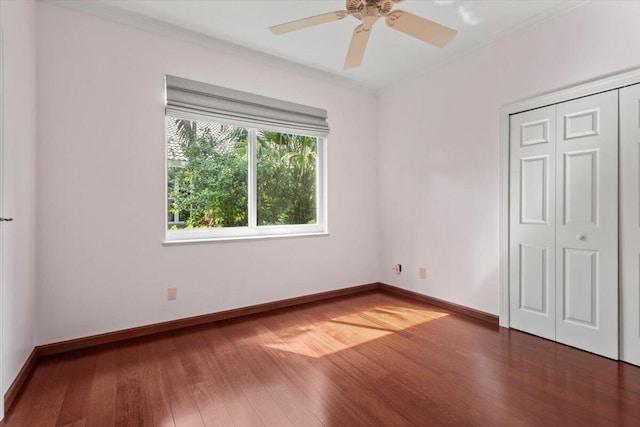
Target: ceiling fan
[368, 11]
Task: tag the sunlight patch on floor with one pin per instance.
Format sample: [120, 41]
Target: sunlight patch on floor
[340, 333]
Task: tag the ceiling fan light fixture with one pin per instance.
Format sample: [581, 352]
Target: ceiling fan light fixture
[368, 11]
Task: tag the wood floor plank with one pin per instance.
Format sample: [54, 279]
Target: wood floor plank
[297, 359]
[206, 388]
[216, 363]
[102, 394]
[361, 387]
[176, 384]
[79, 423]
[130, 404]
[304, 379]
[417, 376]
[284, 394]
[370, 359]
[43, 394]
[221, 341]
[74, 406]
[212, 408]
[156, 398]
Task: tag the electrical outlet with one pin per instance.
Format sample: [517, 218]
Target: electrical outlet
[172, 293]
[423, 273]
[397, 268]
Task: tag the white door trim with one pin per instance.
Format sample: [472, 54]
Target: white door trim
[1, 213]
[590, 88]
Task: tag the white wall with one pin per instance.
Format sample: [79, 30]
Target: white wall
[18, 20]
[439, 146]
[102, 265]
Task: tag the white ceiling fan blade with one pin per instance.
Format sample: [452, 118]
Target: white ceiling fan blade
[420, 28]
[357, 47]
[308, 22]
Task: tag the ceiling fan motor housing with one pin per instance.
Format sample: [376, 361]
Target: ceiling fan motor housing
[362, 9]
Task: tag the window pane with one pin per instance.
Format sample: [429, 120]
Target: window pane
[207, 174]
[286, 175]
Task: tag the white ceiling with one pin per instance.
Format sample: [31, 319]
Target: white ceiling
[390, 55]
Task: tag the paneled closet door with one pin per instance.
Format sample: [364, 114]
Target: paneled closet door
[532, 222]
[630, 222]
[587, 223]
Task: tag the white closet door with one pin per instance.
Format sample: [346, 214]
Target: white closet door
[587, 224]
[630, 222]
[532, 222]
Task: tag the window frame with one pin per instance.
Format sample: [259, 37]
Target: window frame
[252, 230]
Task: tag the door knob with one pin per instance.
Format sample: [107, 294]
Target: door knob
[581, 236]
[6, 219]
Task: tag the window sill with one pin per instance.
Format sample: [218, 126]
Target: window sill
[243, 238]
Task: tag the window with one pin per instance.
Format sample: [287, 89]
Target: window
[230, 177]
[286, 178]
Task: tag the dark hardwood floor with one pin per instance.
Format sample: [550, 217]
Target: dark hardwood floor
[369, 359]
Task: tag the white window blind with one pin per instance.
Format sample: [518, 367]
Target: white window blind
[186, 98]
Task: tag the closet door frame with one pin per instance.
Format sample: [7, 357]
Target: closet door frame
[591, 88]
[630, 223]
